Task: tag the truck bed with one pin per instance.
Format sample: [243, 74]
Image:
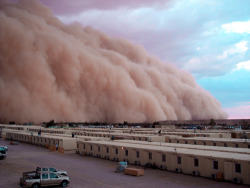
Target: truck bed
[29, 174]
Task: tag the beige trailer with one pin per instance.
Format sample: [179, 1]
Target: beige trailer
[189, 146]
[222, 142]
[65, 144]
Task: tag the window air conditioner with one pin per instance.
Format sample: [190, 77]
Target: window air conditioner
[178, 170]
[213, 176]
[196, 173]
[163, 167]
[237, 180]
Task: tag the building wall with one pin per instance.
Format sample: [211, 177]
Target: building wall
[205, 166]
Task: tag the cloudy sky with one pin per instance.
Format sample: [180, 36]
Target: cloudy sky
[208, 38]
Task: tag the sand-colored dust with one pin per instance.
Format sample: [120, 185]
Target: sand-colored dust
[49, 70]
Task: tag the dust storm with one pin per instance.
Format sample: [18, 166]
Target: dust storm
[50, 70]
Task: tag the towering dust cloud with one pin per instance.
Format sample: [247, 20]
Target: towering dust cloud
[49, 70]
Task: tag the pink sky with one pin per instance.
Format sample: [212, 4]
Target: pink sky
[239, 112]
[201, 37]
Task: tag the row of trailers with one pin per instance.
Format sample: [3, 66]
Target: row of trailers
[229, 164]
[224, 165]
[60, 143]
[208, 141]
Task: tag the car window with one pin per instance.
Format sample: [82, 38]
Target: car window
[52, 170]
[45, 176]
[44, 169]
[52, 175]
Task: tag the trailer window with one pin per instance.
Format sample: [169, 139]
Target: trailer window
[238, 168]
[150, 156]
[137, 154]
[126, 152]
[163, 158]
[196, 162]
[178, 160]
[216, 165]
[116, 151]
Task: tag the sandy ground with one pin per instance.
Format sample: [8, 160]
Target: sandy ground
[90, 172]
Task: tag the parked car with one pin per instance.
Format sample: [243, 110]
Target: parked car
[6, 148]
[51, 169]
[44, 179]
[45, 169]
[3, 152]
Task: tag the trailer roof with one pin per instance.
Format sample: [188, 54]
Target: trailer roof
[178, 151]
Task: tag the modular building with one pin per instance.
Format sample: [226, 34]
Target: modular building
[212, 164]
[65, 144]
[187, 134]
[189, 146]
[222, 142]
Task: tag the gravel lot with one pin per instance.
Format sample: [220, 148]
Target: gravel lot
[90, 172]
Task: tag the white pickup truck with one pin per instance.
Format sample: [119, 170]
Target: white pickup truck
[44, 179]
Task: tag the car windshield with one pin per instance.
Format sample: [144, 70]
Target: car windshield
[52, 175]
[52, 170]
[3, 150]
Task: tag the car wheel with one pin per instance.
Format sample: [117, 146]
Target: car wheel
[1, 157]
[64, 184]
[35, 186]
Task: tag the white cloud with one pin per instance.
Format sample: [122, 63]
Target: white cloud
[237, 27]
[243, 65]
[185, 45]
[215, 64]
[193, 64]
[238, 48]
[242, 46]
